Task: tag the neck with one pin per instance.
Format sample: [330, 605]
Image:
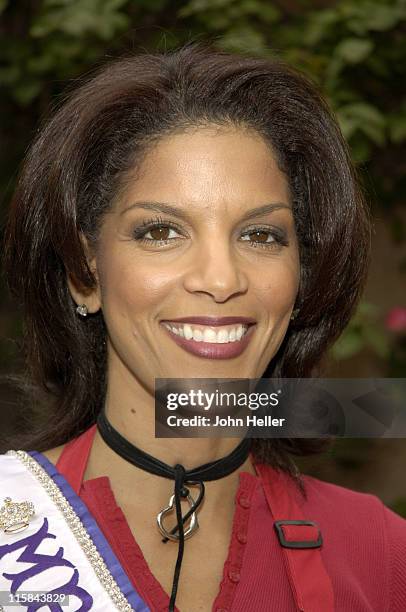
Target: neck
[130, 409]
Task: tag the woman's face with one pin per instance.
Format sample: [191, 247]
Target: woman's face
[213, 255]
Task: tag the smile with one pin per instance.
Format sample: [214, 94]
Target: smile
[211, 342]
[204, 333]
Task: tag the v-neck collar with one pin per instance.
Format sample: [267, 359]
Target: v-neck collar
[99, 496]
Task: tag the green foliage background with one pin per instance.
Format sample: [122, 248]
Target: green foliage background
[353, 49]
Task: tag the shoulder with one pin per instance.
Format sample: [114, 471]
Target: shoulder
[363, 531]
[13, 464]
[53, 454]
[330, 494]
[341, 503]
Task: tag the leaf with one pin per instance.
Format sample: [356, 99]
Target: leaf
[397, 128]
[354, 50]
[365, 118]
[267, 12]
[39, 64]
[383, 18]
[362, 331]
[349, 344]
[377, 340]
[319, 26]
[77, 19]
[25, 92]
[9, 74]
[244, 39]
[196, 7]
[367, 309]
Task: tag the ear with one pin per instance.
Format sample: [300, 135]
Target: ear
[91, 297]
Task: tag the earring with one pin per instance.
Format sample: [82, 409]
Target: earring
[82, 310]
[294, 314]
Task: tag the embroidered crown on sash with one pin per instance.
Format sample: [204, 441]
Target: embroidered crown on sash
[15, 516]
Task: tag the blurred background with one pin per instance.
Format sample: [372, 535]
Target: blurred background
[354, 50]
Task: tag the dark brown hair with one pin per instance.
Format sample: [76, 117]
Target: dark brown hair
[78, 162]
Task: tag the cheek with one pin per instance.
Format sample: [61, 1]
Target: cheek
[132, 287]
[277, 290]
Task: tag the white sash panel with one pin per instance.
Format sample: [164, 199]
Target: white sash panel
[55, 553]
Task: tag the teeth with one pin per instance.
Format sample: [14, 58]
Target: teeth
[208, 334]
[197, 335]
[223, 336]
[187, 332]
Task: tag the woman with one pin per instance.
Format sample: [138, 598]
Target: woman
[177, 205]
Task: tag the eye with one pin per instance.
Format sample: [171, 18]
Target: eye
[264, 237]
[159, 233]
[156, 231]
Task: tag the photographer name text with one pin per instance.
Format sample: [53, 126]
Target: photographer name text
[228, 421]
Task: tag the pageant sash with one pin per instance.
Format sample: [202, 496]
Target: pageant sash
[61, 561]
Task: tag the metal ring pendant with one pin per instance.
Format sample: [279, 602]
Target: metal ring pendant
[194, 525]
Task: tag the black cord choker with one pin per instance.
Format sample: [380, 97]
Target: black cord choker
[208, 471]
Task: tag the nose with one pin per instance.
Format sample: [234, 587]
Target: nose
[215, 271]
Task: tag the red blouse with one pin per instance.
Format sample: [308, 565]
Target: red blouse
[364, 549]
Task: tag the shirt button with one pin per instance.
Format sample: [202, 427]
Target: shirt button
[234, 576]
[241, 537]
[244, 502]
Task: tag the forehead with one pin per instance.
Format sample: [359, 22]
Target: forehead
[209, 166]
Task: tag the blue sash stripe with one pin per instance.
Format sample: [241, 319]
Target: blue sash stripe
[102, 545]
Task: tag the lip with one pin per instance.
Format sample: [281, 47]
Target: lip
[212, 350]
[214, 321]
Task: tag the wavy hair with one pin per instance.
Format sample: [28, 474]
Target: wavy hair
[78, 163]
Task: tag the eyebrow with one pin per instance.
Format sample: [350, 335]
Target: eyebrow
[177, 212]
